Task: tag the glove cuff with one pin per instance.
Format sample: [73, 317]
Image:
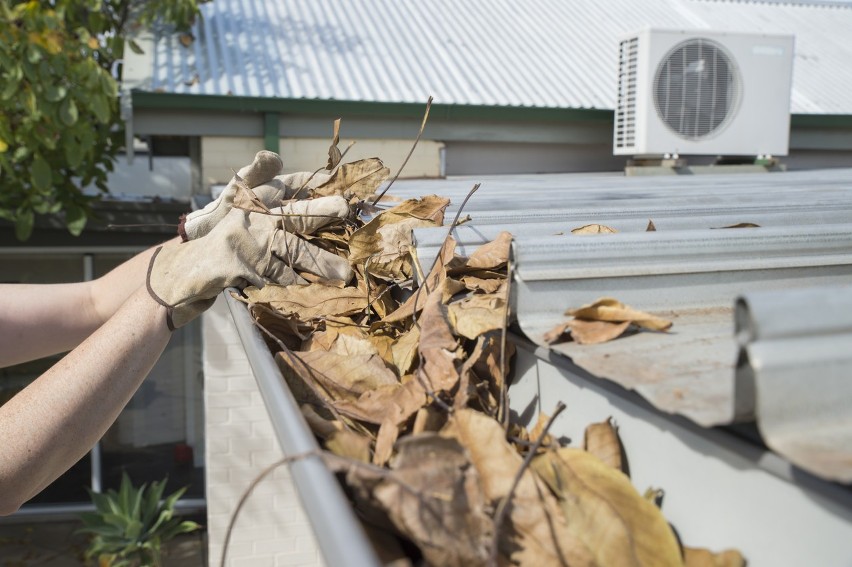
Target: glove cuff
[169, 309]
[181, 229]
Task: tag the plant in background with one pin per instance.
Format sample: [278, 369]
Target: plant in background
[130, 526]
[60, 126]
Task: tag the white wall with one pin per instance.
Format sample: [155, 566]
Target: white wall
[221, 156]
[272, 529]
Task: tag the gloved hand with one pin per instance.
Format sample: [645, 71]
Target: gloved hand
[245, 248]
[262, 176]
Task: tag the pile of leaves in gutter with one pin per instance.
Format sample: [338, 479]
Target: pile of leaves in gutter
[402, 376]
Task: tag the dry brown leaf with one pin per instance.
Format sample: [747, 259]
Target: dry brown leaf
[350, 445]
[405, 350]
[386, 240]
[698, 557]
[428, 418]
[384, 348]
[467, 384]
[444, 513]
[246, 199]
[601, 440]
[593, 229]
[489, 285]
[606, 513]
[356, 179]
[309, 301]
[481, 377]
[555, 333]
[287, 328]
[339, 377]
[535, 532]
[388, 403]
[349, 345]
[478, 314]
[594, 332]
[438, 348]
[321, 426]
[334, 154]
[488, 366]
[434, 280]
[388, 433]
[490, 256]
[388, 231]
[609, 309]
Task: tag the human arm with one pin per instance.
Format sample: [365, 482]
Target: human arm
[54, 421]
[40, 320]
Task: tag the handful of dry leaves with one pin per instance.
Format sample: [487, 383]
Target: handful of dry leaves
[406, 388]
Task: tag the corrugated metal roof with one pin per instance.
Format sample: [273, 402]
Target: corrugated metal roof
[550, 53]
[685, 271]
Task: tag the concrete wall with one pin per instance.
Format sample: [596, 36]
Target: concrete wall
[220, 156]
[272, 529]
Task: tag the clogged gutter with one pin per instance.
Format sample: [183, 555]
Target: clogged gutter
[405, 387]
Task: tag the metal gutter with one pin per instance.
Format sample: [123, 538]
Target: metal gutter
[793, 370]
[338, 532]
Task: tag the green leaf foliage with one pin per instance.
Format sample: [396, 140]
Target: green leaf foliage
[130, 525]
[60, 127]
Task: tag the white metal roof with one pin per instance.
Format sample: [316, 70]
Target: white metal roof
[550, 53]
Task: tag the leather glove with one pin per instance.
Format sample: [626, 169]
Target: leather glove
[245, 248]
[262, 176]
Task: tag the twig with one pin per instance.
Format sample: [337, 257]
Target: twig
[438, 257]
[257, 480]
[367, 283]
[420, 133]
[503, 414]
[500, 514]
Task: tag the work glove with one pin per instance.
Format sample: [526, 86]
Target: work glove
[246, 247]
[264, 177]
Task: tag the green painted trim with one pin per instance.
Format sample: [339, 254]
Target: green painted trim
[337, 108]
[271, 137]
[821, 120]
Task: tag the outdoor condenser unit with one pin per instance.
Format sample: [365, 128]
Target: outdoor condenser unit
[703, 93]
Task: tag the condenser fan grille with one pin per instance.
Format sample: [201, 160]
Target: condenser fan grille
[696, 88]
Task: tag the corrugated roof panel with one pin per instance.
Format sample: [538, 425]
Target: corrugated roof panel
[549, 54]
[685, 270]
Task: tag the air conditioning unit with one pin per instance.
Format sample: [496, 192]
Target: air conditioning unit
[703, 93]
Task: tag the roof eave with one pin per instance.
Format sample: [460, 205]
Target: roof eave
[175, 101]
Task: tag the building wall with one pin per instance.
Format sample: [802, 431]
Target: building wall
[221, 156]
[486, 158]
[272, 529]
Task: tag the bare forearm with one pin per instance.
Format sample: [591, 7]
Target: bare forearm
[38, 320]
[53, 422]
